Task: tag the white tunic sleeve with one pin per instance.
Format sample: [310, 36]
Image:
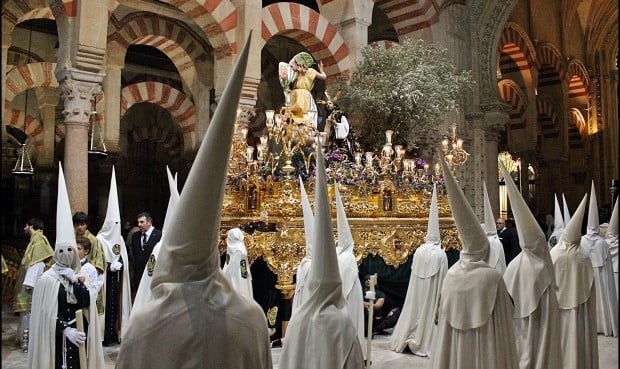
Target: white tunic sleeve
[33, 273]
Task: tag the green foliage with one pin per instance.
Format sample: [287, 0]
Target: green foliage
[406, 88]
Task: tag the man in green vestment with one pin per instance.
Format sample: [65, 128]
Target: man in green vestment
[35, 261]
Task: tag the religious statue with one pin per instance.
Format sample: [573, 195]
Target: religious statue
[297, 79]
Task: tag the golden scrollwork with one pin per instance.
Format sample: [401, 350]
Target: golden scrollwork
[393, 239]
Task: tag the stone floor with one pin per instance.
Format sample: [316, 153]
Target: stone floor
[382, 357]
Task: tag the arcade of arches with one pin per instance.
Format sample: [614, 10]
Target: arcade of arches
[546, 88]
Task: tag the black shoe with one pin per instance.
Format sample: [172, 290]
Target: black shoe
[276, 343]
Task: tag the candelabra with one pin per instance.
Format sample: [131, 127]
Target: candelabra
[453, 149]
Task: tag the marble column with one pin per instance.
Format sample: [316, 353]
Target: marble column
[47, 99]
[78, 90]
[7, 36]
[474, 168]
[492, 136]
[111, 124]
[495, 119]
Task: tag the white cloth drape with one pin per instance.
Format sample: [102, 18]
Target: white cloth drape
[415, 325]
[491, 345]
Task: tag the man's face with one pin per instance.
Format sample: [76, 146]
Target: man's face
[499, 224]
[80, 228]
[28, 230]
[144, 224]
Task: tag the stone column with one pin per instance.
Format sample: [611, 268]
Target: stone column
[47, 99]
[492, 136]
[112, 118]
[352, 20]
[495, 119]
[474, 168]
[7, 36]
[78, 90]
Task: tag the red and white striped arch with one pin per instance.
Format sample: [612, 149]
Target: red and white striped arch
[577, 129]
[168, 35]
[549, 64]
[15, 11]
[409, 16]
[218, 20]
[27, 123]
[515, 48]
[547, 118]
[169, 98]
[578, 80]
[311, 30]
[166, 136]
[512, 94]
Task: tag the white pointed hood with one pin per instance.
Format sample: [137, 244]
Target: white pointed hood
[324, 274]
[489, 219]
[572, 229]
[530, 273]
[475, 244]
[463, 303]
[65, 233]
[497, 258]
[593, 221]
[432, 228]
[573, 270]
[612, 227]
[611, 237]
[111, 239]
[566, 214]
[190, 292]
[431, 246]
[558, 223]
[321, 333]
[189, 251]
[345, 238]
[308, 218]
[592, 243]
[173, 200]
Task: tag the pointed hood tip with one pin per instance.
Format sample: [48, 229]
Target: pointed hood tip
[324, 267]
[612, 227]
[593, 220]
[433, 234]
[345, 238]
[190, 245]
[531, 235]
[558, 220]
[566, 212]
[489, 218]
[308, 218]
[65, 233]
[572, 230]
[475, 244]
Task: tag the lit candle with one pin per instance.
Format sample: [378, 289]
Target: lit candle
[269, 114]
[250, 153]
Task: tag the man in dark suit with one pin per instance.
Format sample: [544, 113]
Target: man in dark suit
[142, 244]
[507, 233]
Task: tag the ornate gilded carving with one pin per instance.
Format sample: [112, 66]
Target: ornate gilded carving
[393, 239]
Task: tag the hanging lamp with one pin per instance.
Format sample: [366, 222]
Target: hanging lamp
[96, 145]
[23, 166]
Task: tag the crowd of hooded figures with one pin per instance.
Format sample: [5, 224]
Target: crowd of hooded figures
[541, 310]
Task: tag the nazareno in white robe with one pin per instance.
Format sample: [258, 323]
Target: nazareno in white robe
[42, 343]
[475, 298]
[352, 291]
[237, 266]
[416, 324]
[606, 294]
[577, 301]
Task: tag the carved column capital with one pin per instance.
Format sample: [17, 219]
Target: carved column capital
[78, 89]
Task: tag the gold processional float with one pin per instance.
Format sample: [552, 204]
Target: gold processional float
[386, 195]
